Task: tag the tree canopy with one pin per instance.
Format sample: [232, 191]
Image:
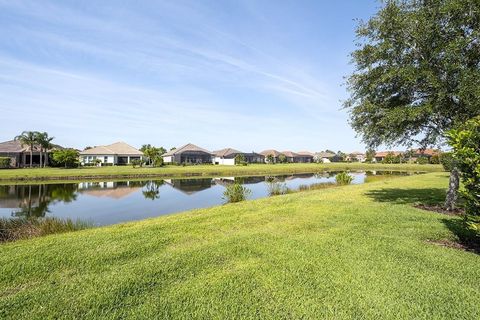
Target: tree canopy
[417, 71]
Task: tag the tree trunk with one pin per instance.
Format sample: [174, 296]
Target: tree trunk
[31, 156]
[45, 164]
[452, 193]
[41, 158]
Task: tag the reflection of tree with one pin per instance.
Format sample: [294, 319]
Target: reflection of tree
[34, 200]
[152, 189]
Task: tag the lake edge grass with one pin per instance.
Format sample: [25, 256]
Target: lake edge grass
[8, 176]
[296, 255]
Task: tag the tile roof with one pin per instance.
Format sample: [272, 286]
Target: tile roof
[305, 153]
[186, 148]
[15, 146]
[290, 154]
[324, 154]
[384, 153]
[226, 152]
[113, 149]
[275, 153]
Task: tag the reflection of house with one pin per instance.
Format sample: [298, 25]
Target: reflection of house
[20, 155]
[109, 189]
[188, 153]
[325, 157]
[227, 156]
[380, 156]
[190, 186]
[305, 156]
[118, 153]
[274, 153]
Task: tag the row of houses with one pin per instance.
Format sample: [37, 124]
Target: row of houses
[121, 153]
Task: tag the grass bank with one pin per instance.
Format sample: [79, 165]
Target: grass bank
[119, 172]
[359, 251]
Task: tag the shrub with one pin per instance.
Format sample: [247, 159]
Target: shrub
[66, 157]
[12, 229]
[466, 152]
[136, 163]
[5, 162]
[316, 186]
[276, 188]
[157, 161]
[422, 160]
[435, 159]
[447, 161]
[236, 193]
[343, 178]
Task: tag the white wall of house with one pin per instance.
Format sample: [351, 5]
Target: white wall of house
[223, 161]
[104, 158]
[168, 159]
[326, 160]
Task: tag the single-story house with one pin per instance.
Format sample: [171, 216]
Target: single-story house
[325, 157]
[118, 153]
[425, 153]
[276, 154]
[20, 154]
[291, 156]
[380, 156]
[305, 156]
[188, 153]
[357, 156]
[227, 156]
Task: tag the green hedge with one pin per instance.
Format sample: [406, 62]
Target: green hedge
[5, 162]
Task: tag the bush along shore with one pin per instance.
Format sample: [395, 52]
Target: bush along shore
[12, 229]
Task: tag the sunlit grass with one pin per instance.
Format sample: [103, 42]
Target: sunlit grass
[355, 252]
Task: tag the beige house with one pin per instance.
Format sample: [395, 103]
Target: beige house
[274, 153]
[118, 153]
[20, 154]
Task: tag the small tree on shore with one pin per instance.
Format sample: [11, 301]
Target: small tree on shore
[66, 157]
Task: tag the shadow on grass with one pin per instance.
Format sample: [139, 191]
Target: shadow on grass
[429, 196]
[468, 237]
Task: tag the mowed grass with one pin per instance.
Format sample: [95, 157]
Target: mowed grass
[359, 251]
[197, 170]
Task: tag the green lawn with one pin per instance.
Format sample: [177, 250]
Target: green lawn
[200, 170]
[360, 251]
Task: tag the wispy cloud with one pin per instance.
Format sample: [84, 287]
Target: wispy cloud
[177, 68]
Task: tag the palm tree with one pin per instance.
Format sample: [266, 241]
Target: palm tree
[45, 143]
[28, 138]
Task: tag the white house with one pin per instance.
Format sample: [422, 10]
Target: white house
[118, 153]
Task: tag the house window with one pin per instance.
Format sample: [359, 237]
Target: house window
[105, 159]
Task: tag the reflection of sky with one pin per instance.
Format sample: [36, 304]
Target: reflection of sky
[104, 210]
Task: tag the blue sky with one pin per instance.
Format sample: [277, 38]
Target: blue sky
[251, 75]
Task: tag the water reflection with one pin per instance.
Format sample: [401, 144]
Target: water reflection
[110, 202]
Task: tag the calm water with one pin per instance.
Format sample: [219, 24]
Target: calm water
[103, 203]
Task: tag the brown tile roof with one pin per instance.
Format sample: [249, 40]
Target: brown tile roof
[324, 154]
[15, 146]
[226, 152]
[384, 153]
[275, 153]
[186, 148]
[113, 149]
[305, 153]
[427, 152]
[290, 154]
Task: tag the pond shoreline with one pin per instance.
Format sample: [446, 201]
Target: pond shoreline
[91, 174]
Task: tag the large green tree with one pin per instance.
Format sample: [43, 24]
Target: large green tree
[417, 72]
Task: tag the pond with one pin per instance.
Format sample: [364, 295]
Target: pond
[108, 202]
